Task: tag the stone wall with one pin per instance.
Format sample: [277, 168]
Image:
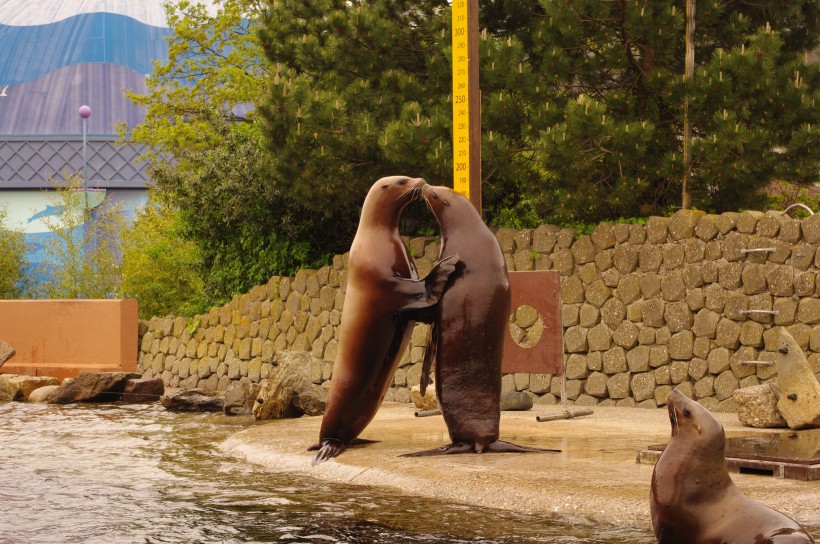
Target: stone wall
[681, 302]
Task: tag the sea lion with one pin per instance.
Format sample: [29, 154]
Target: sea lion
[382, 288]
[693, 499]
[468, 328]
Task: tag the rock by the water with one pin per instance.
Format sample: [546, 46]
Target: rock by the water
[6, 352]
[92, 387]
[19, 386]
[194, 400]
[757, 406]
[428, 401]
[143, 390]
[515, 400]
[799, 389]
[311, 401]
[288, 379]
[41, 394]
[239, 399]
[8, 390]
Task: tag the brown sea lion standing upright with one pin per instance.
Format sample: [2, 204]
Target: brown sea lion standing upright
[382, 288]
[468, 328]
[694, 501]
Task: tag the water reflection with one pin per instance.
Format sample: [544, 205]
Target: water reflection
[140, 474]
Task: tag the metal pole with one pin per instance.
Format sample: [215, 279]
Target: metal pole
[85, 165]
[85, 113]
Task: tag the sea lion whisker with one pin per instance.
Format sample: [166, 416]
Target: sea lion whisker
[675, 430]
[413, 191]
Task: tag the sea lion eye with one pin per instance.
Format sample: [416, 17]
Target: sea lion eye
[686, 412]
[402, 181]
[784, 350]
[384, 186]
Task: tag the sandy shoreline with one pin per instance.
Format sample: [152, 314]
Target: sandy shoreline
[595, 477]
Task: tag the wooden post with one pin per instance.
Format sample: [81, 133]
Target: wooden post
[689, 71]
[466, 102]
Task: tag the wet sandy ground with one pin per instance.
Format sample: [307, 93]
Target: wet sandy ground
[594, 478]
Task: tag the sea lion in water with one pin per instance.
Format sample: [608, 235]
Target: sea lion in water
[382, 288]
[693, 499]
[468, 329]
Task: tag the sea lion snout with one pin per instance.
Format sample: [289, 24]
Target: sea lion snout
[435, 195]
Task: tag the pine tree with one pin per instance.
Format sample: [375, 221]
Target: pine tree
[581, 102]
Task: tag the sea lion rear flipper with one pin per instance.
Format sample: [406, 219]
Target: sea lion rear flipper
[328, 449]
[449, 449]
[499, 446]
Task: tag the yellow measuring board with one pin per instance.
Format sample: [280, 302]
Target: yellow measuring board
[461, 100]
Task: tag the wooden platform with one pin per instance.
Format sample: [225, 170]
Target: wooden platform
[793, 455]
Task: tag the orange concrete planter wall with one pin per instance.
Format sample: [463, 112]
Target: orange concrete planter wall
[62, 338]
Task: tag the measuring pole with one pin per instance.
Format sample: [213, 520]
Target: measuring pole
[688, 73]
[466, 102]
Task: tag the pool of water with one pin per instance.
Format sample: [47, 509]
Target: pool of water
[140, 474]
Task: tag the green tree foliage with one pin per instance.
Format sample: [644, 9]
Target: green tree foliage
[581, 102]
[12, 258]
[160, 265]
[208, 160]
[581, 115]
[246, 230]
[358, 91]
[81, 260]
[215, 70]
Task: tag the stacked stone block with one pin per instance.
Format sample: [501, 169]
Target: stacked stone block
[681, 302]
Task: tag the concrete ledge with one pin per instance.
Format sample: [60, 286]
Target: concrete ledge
[62, 338]
[594, 478]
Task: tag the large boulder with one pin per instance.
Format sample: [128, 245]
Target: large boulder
[194, 400]
[428, 401]
[239, 400]
[19, 386]
[515, 400]
[41, 394]
[6, 352]
[799, 389]
[92, 387]
[8, 391]
[311, 401]
[757, 406]
[288, 391]
[143, 390]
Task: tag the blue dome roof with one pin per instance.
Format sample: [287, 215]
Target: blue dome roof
[56, 55]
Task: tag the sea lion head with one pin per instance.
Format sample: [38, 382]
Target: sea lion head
[692, 423]
[388, 197]
[444, 203]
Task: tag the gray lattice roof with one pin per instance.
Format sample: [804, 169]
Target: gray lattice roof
[36, 162]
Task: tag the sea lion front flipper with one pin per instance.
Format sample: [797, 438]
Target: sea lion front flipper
[499, 446]
[429, 358]
[425, 292]
[439, 275]
[328, 449]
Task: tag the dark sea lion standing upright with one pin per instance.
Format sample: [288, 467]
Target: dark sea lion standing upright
[468, 328]
[382, 289]
[694, 501]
